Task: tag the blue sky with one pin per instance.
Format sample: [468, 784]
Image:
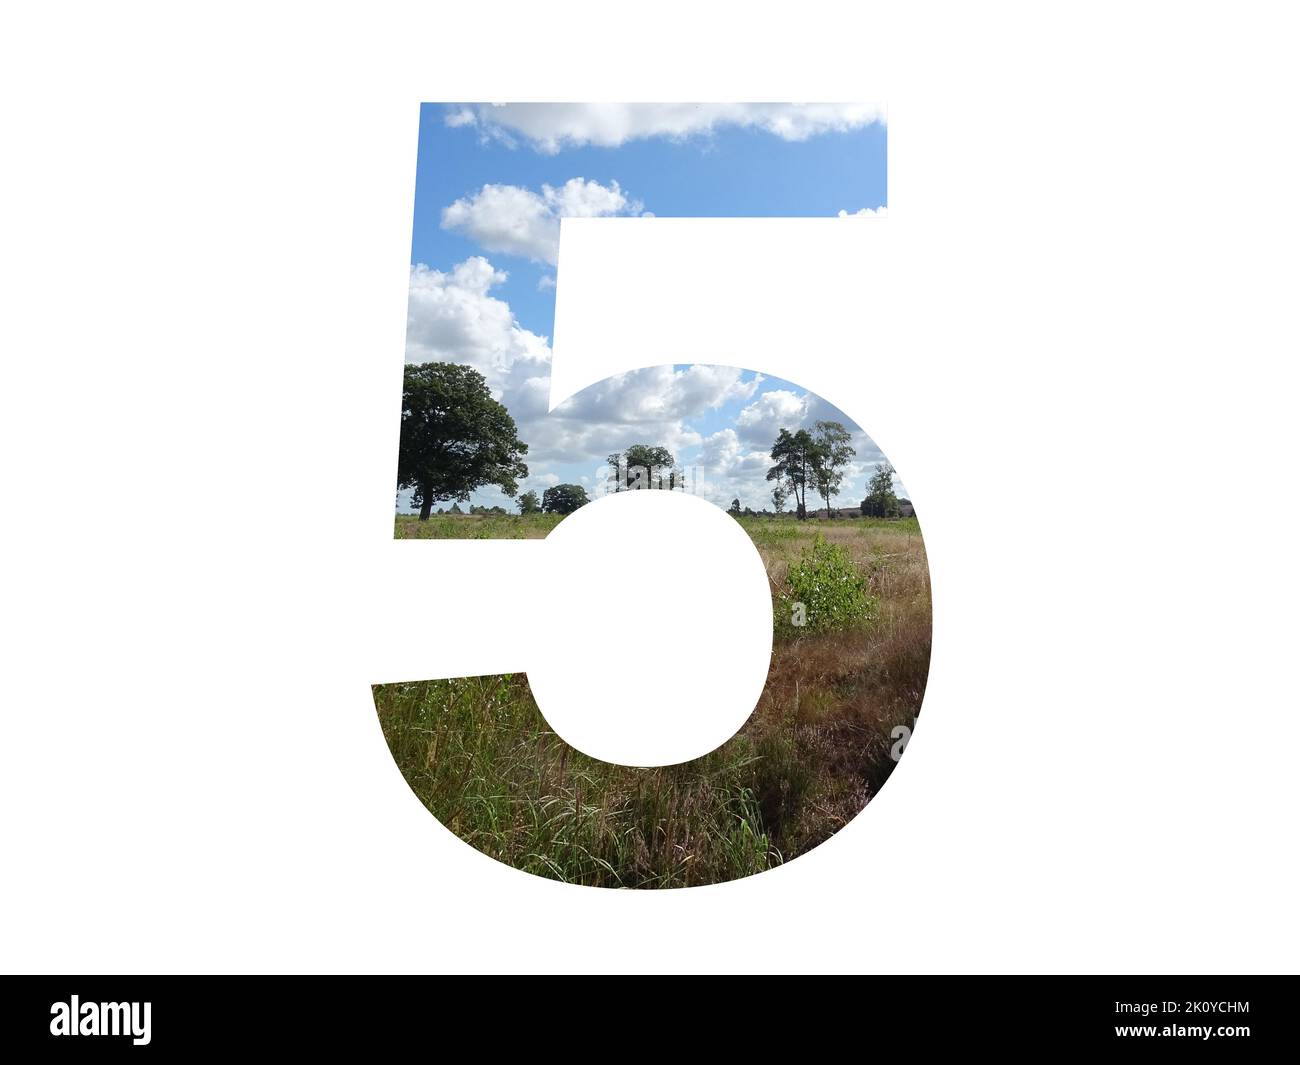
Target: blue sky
[492, 182]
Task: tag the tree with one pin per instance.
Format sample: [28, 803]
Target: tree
[563, 498]
[881, 502]
[643, 466]
[832, 454]
[779, 494]
[795, 455]
[529, 503]
[734, 509]
[455, 436]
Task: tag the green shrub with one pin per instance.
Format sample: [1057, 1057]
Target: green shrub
[827, 585]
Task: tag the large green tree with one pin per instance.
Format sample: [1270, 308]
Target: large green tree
[834, 449]
[881, 502]
[455, 437]
[563, 498]
[529, 503]
[643, 466]
[795, 457]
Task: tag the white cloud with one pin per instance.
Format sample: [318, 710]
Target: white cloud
[660, 394]
[546, 281]
[864, 212]
[452, 317]
[506, 218]
[650, 406]
[721, 450]
[518, 221]
[588, 199]
[725, 455]
[725, 470]
[550, 127]
[759, 423]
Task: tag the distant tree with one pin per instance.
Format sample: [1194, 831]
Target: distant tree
[643, 466]
[529, 503]
[779, 494]
[833, 452]
[795, 457]
[563, 498]
[455, 437]
[734, 508]
[453, 509]
[881, 502]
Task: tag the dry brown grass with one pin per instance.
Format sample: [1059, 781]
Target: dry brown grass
[839, 695]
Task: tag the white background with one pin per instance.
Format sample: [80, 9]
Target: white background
[650, 633]
[1082, 359]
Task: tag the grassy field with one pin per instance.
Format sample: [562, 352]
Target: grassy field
[478, 754]
[476, 526]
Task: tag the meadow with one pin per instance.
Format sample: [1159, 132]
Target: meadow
[820, 743]
[476, 526]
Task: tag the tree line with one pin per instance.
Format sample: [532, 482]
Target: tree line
[818, 459]
[455, 438]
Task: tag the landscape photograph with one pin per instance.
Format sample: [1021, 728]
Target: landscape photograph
[482, 456]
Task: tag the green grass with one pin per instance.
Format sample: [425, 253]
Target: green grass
[475, 526]
[479, 755]
[763, 531]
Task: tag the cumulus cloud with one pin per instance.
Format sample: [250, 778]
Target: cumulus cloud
[550, 127]
[726, 469]
[506, 218]
[721, 450]
[864, 212]
[759, 423]
[588, 199]
[661, 393]
[518, 221]
[538, 482]
[452, 317]
[661, 404]
[651, 406]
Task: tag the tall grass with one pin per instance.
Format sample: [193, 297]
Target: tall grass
[475, 526]
[479, 755]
